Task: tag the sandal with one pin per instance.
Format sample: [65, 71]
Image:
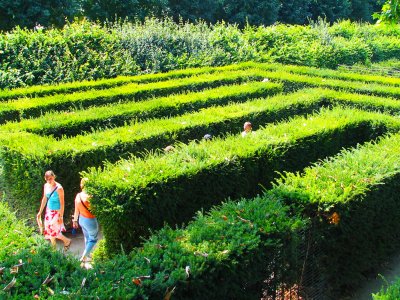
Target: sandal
[66, 247]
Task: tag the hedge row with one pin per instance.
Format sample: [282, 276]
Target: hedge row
[14, 235]
[64, 88]
[234, 247]
[26, 155]
[144, 193]
[15, 110]
[80, 86]
[77, 122]
[33, 107]
[23, 108]
[231, 250]
[327, 73]
[358, 191]
[84, 50]
[296, 81]
[119, 277]
[27, 258]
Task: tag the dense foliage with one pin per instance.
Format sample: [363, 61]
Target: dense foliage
[255, 12]
[232, 249]
[342, 209]
[388, 291]
[170, 188]
[390, 12]
[27, 154]
[87, 51]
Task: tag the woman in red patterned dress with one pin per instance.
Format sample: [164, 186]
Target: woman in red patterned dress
[53, 200]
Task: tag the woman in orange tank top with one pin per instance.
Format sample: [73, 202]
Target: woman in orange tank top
[87, 221]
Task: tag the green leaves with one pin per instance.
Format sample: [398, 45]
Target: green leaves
[390, 12]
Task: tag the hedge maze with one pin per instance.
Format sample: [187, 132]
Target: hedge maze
[320, 171]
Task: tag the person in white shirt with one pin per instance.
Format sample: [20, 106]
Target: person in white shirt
[246, 129]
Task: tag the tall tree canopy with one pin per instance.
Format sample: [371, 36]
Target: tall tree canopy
[114, 9]
[29, 13]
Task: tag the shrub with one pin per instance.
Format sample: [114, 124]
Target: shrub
[144, 193]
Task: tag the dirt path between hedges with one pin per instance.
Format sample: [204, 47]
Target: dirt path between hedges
[77, 243]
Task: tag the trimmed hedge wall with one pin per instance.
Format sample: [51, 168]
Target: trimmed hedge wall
[33, 107]
[349, 184]
[79, 86]
[144, 193]
[26, 155]
[361, 187]
[77, 122]
[230, 251]
[64, 88]
[212, 262]
[28, 258]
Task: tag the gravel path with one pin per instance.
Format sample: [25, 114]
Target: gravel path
[77, 243]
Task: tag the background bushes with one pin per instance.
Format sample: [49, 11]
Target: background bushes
[87, 51]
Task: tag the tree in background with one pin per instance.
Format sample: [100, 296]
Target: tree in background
[29, 13]
[390, 12]
[255, 12]
[362, 10]
[294, 11]
[331, 9]
[112, 10]
[194, 10]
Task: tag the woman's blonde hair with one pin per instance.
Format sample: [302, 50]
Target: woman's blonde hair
[49, 173]
[83, 181]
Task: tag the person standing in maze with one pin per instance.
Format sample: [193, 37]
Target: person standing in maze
[247, 128]
[87, 221]
[53, 200]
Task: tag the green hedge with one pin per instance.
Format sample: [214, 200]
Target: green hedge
[361, 186]
[83, 50]
[79, 121]
[31, 107]
[14, 235]
[23, 251]
[327, 73]
[238, 245]
[214, 262]
[26, 155]
[43, 90]
[225, 248]
[79, 86]
[296, 81]
[388, 292]
[144, 193]
[23, 108]
[229, 251]
[232, 249]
